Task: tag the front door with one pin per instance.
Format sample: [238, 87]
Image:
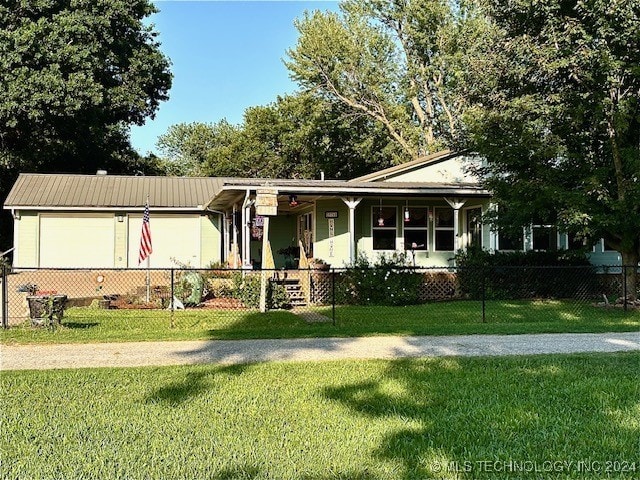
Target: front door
[305, 232]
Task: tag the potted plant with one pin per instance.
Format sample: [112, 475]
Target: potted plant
[290, 253]
[319, 264]
[45, 308]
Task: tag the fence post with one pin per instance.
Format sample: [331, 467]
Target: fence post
[172, 293]
[484, 293]
[5, 298]
[624, 287]
[333, 295]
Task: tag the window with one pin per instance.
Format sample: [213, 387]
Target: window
[416, 228]
[383, 227]
[444, 229]
[544, 237]
[474, 227]
[509, 242]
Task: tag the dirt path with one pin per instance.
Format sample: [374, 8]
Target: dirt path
[134, 354]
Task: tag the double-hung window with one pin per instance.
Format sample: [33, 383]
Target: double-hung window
[508, 241]
[384, 224]
[544, 235]
[443, 217]
[416, 233]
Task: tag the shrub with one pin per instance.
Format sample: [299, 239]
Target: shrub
[247, 289]
[220, 287]
[389, 281]
[511, 275]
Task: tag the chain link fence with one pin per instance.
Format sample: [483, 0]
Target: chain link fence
[382, 298]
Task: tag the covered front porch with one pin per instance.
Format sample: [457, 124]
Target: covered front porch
[308, 221]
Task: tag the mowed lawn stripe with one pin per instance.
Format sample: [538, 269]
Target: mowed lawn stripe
[401, 419]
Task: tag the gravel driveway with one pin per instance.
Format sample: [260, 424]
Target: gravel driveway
[135, 354]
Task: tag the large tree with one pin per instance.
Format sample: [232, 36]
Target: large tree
[74, 74]
[297, 136]
[398, 63]
[557, 116]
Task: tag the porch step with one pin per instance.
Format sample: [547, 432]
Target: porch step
[294, 291]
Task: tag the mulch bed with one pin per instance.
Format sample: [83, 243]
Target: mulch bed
[223, 303]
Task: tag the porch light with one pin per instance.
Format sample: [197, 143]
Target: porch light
[407, 215]
[293, 200]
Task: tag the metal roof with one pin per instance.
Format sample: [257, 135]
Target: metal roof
[87, 192]
[111, 191]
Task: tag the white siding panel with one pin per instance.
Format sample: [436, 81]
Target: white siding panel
[76, 240]
[172, 236]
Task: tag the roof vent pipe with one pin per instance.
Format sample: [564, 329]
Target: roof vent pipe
[101, 172]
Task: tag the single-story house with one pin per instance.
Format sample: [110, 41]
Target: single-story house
[430, 208]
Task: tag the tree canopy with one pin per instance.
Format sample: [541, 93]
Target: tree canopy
[74, 74]
[398, 63]
[556, 114]
[297, 136]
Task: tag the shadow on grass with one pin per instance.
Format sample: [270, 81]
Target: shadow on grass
[192, 385]
[237, 473]
[79, 325]
[460, 413]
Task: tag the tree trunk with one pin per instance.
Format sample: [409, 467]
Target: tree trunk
[630, 260]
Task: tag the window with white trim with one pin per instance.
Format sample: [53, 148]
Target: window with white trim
[416, 228]
[544, 237]
[384, 224]
[510, 242]
[444, 239]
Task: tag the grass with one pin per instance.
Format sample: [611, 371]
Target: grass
[440, 318]
[392, 420]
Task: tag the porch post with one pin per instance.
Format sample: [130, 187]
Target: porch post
[456, 204]
[234, 247]
[493, 235]
[226, 243]
[352, 203]
[246, 233]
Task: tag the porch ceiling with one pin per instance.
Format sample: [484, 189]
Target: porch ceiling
[233, 191]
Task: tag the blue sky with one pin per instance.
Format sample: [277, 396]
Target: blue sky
[226, 56]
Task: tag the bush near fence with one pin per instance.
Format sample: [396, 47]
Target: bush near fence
[521, 275]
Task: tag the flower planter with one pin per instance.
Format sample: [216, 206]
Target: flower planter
[46, 309]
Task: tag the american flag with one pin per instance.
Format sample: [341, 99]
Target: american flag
[145, 236]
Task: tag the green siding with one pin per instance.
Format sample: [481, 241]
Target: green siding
[121, 235]
[26, 233]
[210, 238]
[339, 255]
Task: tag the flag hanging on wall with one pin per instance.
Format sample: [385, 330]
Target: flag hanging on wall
[145, 236]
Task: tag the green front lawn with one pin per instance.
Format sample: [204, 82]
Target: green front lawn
[440, 318]
[564, 416]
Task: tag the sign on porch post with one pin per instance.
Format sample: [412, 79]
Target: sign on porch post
[332, 234]
[266, 206]
[267, 201]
